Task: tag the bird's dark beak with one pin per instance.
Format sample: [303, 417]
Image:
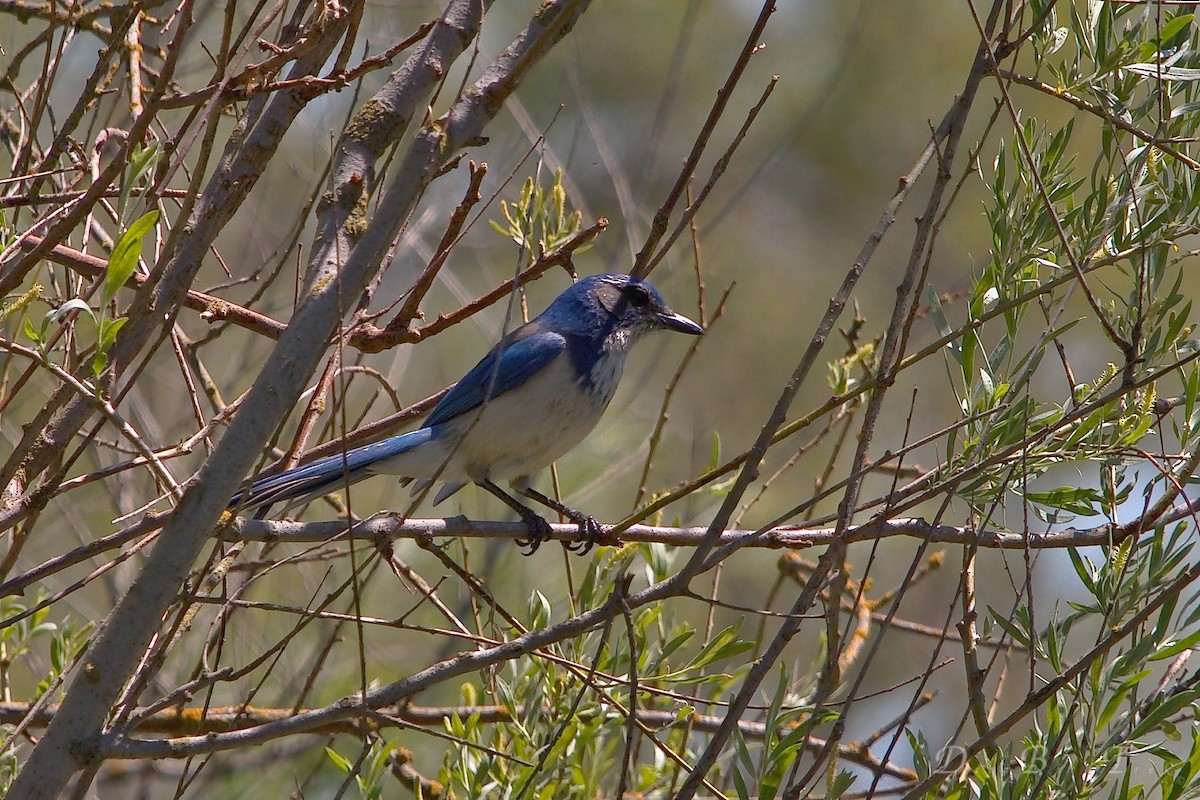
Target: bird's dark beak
[678, 322]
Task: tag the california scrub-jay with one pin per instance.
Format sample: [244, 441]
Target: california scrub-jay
[536, 395]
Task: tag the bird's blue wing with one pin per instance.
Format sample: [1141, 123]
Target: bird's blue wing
[516, 359]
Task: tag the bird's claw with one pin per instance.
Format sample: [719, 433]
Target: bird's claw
[539, 531]
[592, 533]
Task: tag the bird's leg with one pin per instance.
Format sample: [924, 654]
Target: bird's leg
[539, 529]
[588, 525]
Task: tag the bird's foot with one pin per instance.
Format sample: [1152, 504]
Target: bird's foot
[588, 527]
[539, 531]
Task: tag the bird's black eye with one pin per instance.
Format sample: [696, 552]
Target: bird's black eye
[637, 296]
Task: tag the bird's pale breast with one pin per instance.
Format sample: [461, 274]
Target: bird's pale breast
[537, 422]
[521, 431]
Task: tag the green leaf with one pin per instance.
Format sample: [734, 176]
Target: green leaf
[1083, 569]
[539, 609]
[74, 304]
[339, 760]
[1013, 630]
[1177, 27]
[30, 333]
[98, 363]
[108, 333]
[841, 784]
[739, 784]
[125, 254]
[676, 641]
[1073, 499]
[1119, 696]
[1151, 70]
[1175, 648]
[724, 645]
[1183, 109]
[561, 744]
[743, 765]
[989, 385]
[144, 158]
[142, 161]
[1160, 713]
[920, 753]
[941, 323]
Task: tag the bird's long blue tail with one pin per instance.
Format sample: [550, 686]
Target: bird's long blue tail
[325, 474]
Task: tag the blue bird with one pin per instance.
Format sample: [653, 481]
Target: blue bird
[535, 396]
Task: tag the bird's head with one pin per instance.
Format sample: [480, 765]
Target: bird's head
[619, 307]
